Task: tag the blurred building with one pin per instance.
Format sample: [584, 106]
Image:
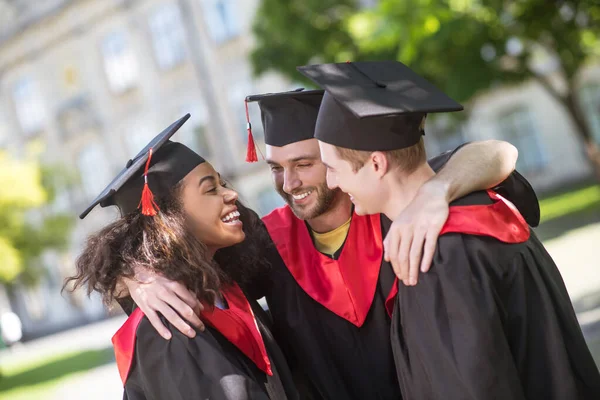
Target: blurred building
[93, 81]
[551, 153]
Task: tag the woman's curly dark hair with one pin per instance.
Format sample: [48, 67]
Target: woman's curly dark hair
[164, 245]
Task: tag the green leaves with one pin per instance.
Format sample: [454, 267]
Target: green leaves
[25, 229]
[464, 46]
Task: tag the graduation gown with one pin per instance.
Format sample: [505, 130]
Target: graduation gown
[492, 319]
[235, 358]
[329, 313]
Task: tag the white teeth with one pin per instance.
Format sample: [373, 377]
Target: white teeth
[301, 196]
[231, 216]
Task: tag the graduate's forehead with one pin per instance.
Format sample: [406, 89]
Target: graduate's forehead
[202, 170]
[303, 150]
[329, 154]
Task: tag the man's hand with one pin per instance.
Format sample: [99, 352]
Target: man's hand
[155, 294]
[412, 238]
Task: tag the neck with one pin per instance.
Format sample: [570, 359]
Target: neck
[210, 252]
[339, 212]
[402, 189]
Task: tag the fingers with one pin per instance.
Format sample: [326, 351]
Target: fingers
[183, 309]
[428, 251]
[157, 323]
[188, 297]
[416, 251]
[389, 241]
[402, 258]
[175, 320]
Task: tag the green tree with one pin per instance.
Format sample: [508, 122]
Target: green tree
[26, 228]
[463, 46]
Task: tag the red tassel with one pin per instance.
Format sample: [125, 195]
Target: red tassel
[251, 148]
[148, 205]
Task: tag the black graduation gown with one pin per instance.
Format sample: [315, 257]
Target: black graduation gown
[331, 357]
[209, 366]
[491, 320]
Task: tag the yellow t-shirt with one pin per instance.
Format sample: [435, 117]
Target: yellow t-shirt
[330, 242]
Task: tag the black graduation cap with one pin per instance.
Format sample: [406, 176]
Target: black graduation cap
[375, 105]
[287, 117]
[152, 172]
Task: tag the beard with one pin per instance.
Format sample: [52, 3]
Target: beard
[325, 200]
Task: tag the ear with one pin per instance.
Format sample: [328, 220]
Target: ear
[380, 163]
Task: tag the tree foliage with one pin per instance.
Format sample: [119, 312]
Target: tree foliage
[463, 46]
[26, 228]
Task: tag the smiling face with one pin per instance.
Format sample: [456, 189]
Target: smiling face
[363, 186]
[300, 178]
[210, 208]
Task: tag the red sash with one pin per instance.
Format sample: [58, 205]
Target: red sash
[236, 324]
[500, 220]
[124, 343]
[345, 286]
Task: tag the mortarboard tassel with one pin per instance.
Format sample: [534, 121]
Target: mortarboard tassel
[251, 149]
[149, 206]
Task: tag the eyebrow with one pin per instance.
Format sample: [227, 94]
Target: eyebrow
[295, 159]
[303, 157]
[207, 178]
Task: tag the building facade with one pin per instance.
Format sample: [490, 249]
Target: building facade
[93, 81]
[551, 154]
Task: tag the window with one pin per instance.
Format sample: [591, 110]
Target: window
[29, 106]
[138, 135]
[168, 36]
[268, 200]
[37, 307]
[93, 170]
[590, 101]
[517, 127]
[119, 62]
[194, 132]
[237, 96]
[221, 19]
[3, 129]
[195, 138]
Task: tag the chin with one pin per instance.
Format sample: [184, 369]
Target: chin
[232, 239]
[359, 210]
[239, 238]
[304, 213]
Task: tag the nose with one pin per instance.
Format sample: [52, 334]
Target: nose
[230, 196]
[290, 181]
[331, 181]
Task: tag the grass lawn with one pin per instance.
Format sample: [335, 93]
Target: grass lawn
[576, 201]
[35, 379]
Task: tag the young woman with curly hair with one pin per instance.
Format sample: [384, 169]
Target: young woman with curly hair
[189, 227]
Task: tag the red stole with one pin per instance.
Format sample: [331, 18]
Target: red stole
[236, 324]
[124, 343]
[345, 286]
[500, 220]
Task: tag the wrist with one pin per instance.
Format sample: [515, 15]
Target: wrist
[439, 188]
